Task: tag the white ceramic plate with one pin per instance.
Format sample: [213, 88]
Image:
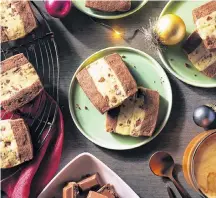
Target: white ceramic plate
[81, 165]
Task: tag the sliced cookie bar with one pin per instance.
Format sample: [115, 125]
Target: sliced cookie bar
[202, 58]
[107, 82]
[137, 116]
[205, 20]
[109, 5]
[19, 82]
[17, 19]
[15, 143]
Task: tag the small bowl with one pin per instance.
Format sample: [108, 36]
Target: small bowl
[81, 165]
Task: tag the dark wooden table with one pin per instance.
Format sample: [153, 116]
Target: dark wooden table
[77, 37]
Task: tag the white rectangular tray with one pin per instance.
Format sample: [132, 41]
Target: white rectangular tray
[81, 165]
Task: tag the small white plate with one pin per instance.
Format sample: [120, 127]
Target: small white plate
[81, 165]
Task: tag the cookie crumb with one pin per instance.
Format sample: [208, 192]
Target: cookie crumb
[102, 79]
[77, 106]
[187, 65]
[209, 18]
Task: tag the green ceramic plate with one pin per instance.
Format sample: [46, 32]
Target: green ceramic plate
[135, 6]
[174, 58]
[147, 72]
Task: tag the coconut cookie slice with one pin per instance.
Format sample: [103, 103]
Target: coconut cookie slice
[137, 116]
[205, 20]
[15, 143]
[107, 82]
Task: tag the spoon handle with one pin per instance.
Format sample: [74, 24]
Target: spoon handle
[181, 190]
[170, 192]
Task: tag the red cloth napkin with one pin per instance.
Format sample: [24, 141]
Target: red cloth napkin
[35, 175]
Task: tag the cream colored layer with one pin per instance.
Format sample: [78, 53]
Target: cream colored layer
[16, 79]
[202, 57]
[205, 167]
[11, 20]
[107, 82]
[206, 26]
[9, 155]
[130, 117]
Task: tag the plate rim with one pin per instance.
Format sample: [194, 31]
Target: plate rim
[122, 15]
[164, 61]
[97, 160]
[170, 99]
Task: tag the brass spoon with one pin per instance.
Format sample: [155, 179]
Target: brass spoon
[162, 164]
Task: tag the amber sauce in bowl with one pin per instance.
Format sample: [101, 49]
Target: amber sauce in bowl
[199, 163]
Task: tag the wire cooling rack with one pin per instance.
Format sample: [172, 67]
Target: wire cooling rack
[40, 49]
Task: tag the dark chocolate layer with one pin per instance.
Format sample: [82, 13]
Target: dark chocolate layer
[192, 42]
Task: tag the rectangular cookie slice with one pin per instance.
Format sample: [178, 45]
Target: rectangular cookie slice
[205, 20]
[19, 82]
[109, 191]
[107, 82]
[137, 116]
[71, 190]
[15, 143]
[109, 5]
[202, 58]
[17, 19]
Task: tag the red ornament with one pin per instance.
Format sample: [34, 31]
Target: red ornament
[58, 8]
